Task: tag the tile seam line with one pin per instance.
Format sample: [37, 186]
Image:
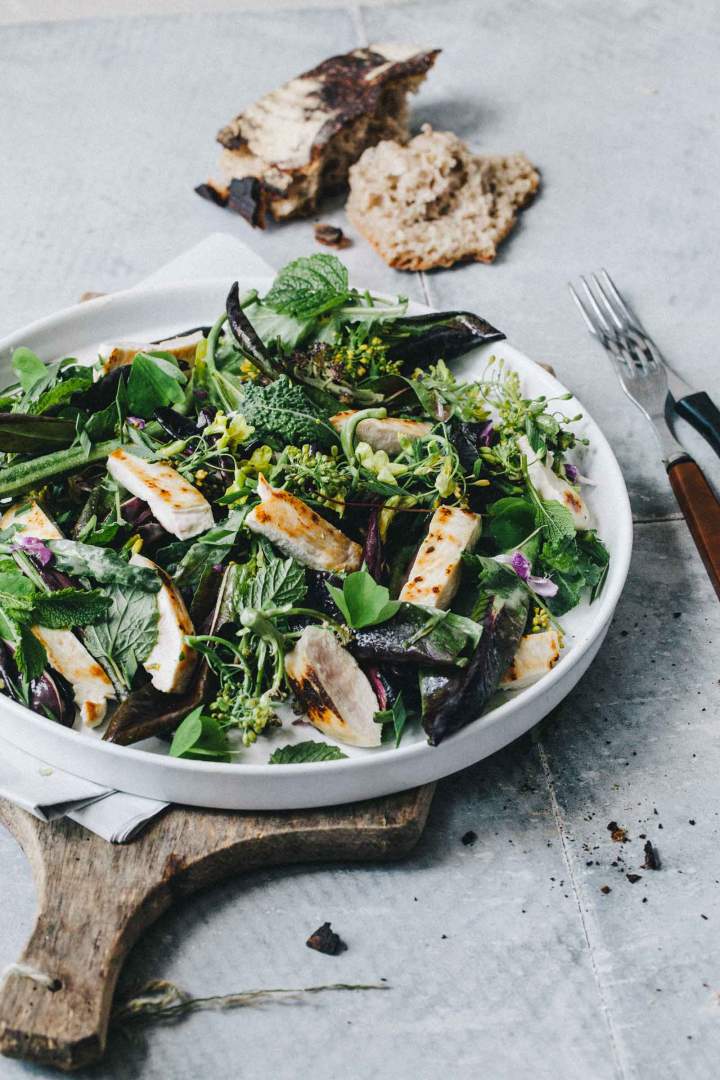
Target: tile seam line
[356, 15]
[623, 1072]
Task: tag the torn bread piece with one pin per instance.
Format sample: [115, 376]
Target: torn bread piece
[171, 662]
[383, 434]
[333, 688]
[536, 655]
[297, 530]
[91, 686]
[283, 153]
[550, 486]
[433, 202]
[122, 353]
[179, 507]
[435, 575]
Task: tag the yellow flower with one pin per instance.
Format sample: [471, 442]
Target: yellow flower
[232, 430]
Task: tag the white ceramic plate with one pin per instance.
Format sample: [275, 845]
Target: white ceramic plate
[252, 784]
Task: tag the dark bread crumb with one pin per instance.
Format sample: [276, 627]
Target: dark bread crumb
[325, 940]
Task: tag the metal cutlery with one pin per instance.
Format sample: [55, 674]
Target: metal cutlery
[646, 380]
[692, 405]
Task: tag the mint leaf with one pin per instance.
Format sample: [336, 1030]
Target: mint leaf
[277, 583]
[105, 567]
[200, 736]
[301, 753]
[128, 632]
[28, 367]
[397, 715]
[557, 519]
[16, 591]
[30, 655]
[154, 381]
[310, 286]
[362, 601]
[66, 608]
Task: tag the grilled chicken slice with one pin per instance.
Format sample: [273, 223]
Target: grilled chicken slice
[92, 688]
[552, 487]
[383, 434]
[435, 574]
[291, 525]
[171, 662]
[32, 519]
[178, 506]
[120, 353]
[335, 692]
[66, 654]
[536, 655]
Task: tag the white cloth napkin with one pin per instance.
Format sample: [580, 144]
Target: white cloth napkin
[48, 792]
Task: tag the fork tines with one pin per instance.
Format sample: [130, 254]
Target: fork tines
[611, 321]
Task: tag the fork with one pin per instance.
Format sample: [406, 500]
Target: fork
[644, 378]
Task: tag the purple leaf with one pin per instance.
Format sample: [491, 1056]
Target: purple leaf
[372, 548]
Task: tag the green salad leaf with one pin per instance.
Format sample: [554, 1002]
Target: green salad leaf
[304, 752]
[308, 287]
[102, 565]
[28, 367]
[155, 380]
[126, 636]
[277, 583]
[397, 715]
[65, 608]
[362, 601]
[200, 737]
[283, 414]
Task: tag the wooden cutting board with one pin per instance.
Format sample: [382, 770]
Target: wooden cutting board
[95, 899]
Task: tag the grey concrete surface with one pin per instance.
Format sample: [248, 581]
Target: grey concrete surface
[541, 974]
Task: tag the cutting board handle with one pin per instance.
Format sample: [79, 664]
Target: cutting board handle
[96, 898]
[55, 1002]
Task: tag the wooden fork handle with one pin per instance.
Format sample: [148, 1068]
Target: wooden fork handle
[701, 510]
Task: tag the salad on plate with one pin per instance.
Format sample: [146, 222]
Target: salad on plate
[299, 515]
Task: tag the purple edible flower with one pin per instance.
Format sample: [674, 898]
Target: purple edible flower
[136, 421]
[35, 547]
[572, 472]
[487, 434]
[218, 567]
[520, 563]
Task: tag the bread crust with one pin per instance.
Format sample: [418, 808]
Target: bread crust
[298, 142]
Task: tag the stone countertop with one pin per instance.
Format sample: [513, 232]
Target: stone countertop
[505, 957]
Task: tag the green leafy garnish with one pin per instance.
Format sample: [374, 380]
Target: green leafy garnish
[155, 380]
[362, 601]
[128, 633]
[283, 414]
[301, 753]
[28, 367]
[104, 566]
[208, 550]
[397, 715]
[308, 287]
[200, 736]
[512, 520]
[278, 582]
[66, 608]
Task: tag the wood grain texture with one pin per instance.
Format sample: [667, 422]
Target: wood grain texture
[701, 510]
[95, 899]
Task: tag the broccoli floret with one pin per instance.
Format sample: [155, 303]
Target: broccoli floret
[283, 414]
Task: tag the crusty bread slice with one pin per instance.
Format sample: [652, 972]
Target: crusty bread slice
[433, 203]
[296, 144]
